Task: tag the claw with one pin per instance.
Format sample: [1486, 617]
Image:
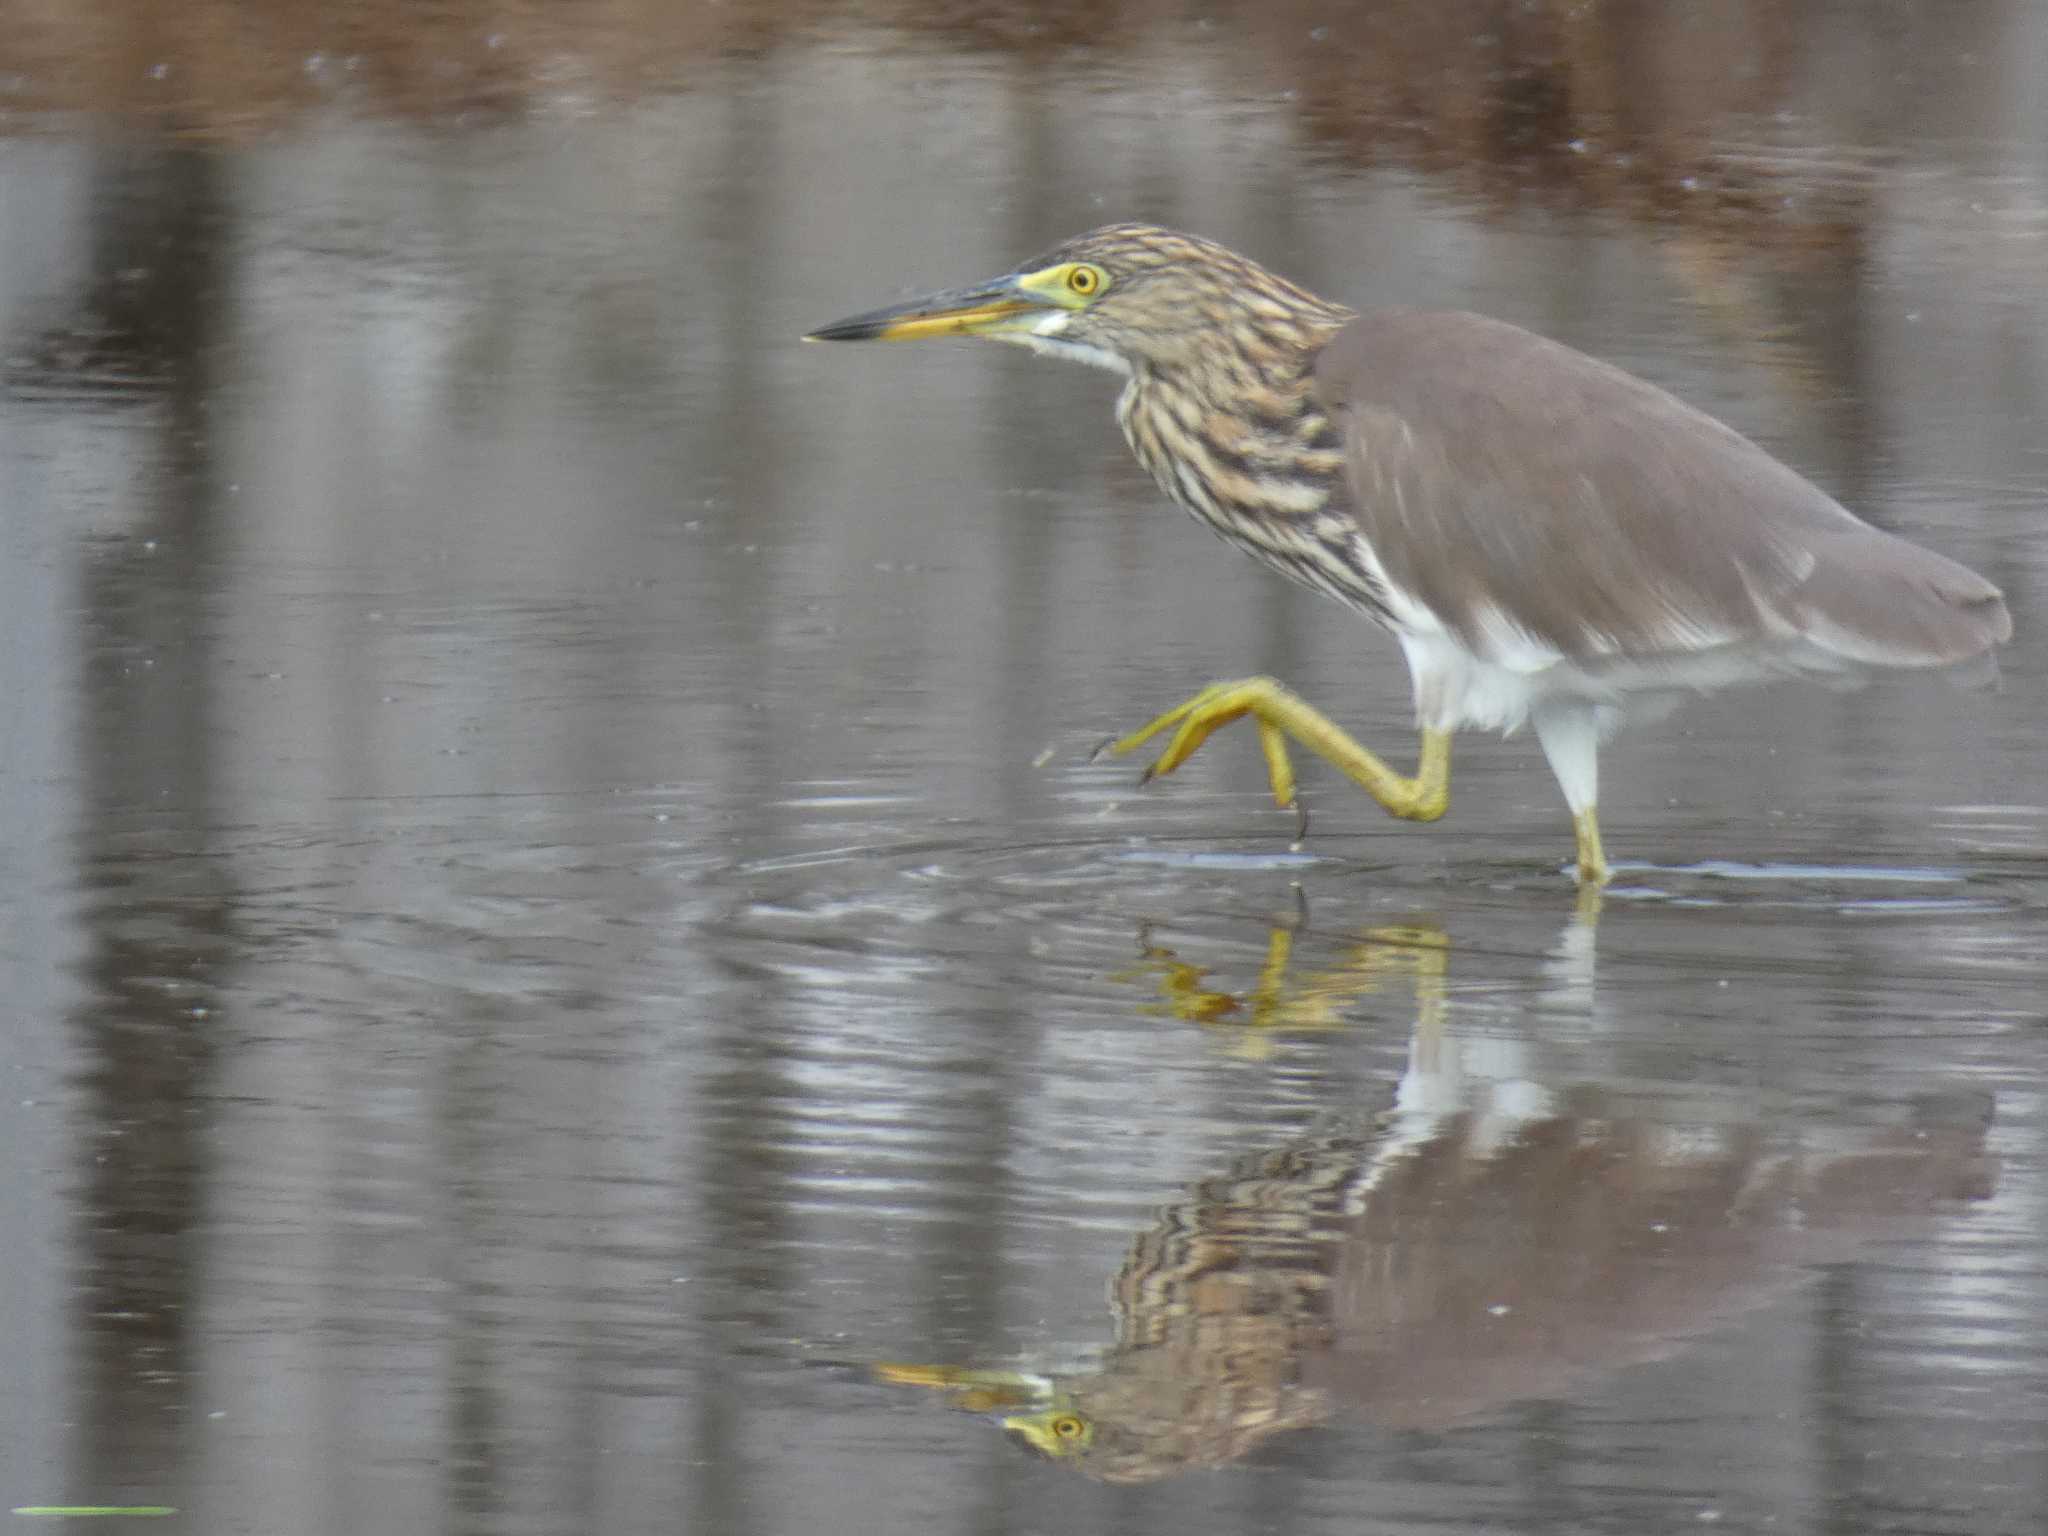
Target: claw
[1282, 716]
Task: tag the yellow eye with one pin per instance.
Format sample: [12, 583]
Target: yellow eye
[1067, 1427]
[1084, 280]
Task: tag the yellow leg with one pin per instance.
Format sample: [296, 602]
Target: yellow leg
[1593, 871]
[1279, 715]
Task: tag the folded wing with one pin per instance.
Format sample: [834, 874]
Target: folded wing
[1541, 504]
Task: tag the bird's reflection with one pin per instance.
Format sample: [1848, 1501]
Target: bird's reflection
[1486, 1239]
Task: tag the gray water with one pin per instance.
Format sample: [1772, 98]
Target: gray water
[568, 965]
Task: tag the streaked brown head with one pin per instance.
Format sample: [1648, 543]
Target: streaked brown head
[1129, 297]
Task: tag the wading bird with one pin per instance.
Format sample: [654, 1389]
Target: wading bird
[1549, 538]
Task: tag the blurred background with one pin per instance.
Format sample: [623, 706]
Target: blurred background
[566, 967]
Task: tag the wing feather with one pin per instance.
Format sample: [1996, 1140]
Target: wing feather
[1534, 499]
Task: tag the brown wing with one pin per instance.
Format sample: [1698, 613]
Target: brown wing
[1512, 484]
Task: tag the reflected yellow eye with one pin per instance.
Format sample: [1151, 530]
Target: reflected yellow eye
[1068, 1427]
[1085, 280]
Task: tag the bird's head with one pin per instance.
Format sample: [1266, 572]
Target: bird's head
[1058, 1433]
[1127, 297]
[1121, 1426]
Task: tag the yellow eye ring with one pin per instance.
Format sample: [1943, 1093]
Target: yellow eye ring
[1084, 280]
[1066, 1427]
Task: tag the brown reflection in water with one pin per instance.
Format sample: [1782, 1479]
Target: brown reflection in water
[1609, 104]
[1483, 1242]
[1745, 134]
[1730, 130]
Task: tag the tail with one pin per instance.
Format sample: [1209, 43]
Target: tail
[1875, 601]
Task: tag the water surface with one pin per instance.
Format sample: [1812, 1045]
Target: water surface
[570, 967]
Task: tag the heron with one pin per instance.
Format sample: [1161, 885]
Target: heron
[1552, 541]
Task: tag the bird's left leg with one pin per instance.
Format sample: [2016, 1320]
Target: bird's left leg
[1280, 715]
[1570, 732]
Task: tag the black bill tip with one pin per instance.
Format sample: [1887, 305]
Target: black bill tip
[856, 328]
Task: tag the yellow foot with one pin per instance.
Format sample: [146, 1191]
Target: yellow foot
[1279, 715]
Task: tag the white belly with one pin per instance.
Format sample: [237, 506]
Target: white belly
[1455, 688]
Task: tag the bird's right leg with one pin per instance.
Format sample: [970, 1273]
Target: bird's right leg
[1281, 715]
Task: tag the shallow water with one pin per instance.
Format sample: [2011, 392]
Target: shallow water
[571, 968]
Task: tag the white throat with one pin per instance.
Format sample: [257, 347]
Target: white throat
[1044, 336]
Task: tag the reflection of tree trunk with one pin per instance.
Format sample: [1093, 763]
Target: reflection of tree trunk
[1836, 1403]
[1833, 307]
[157, 921]
[1544, 1456]
[1023, 448]
[739, 1157]
[476, 1432]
